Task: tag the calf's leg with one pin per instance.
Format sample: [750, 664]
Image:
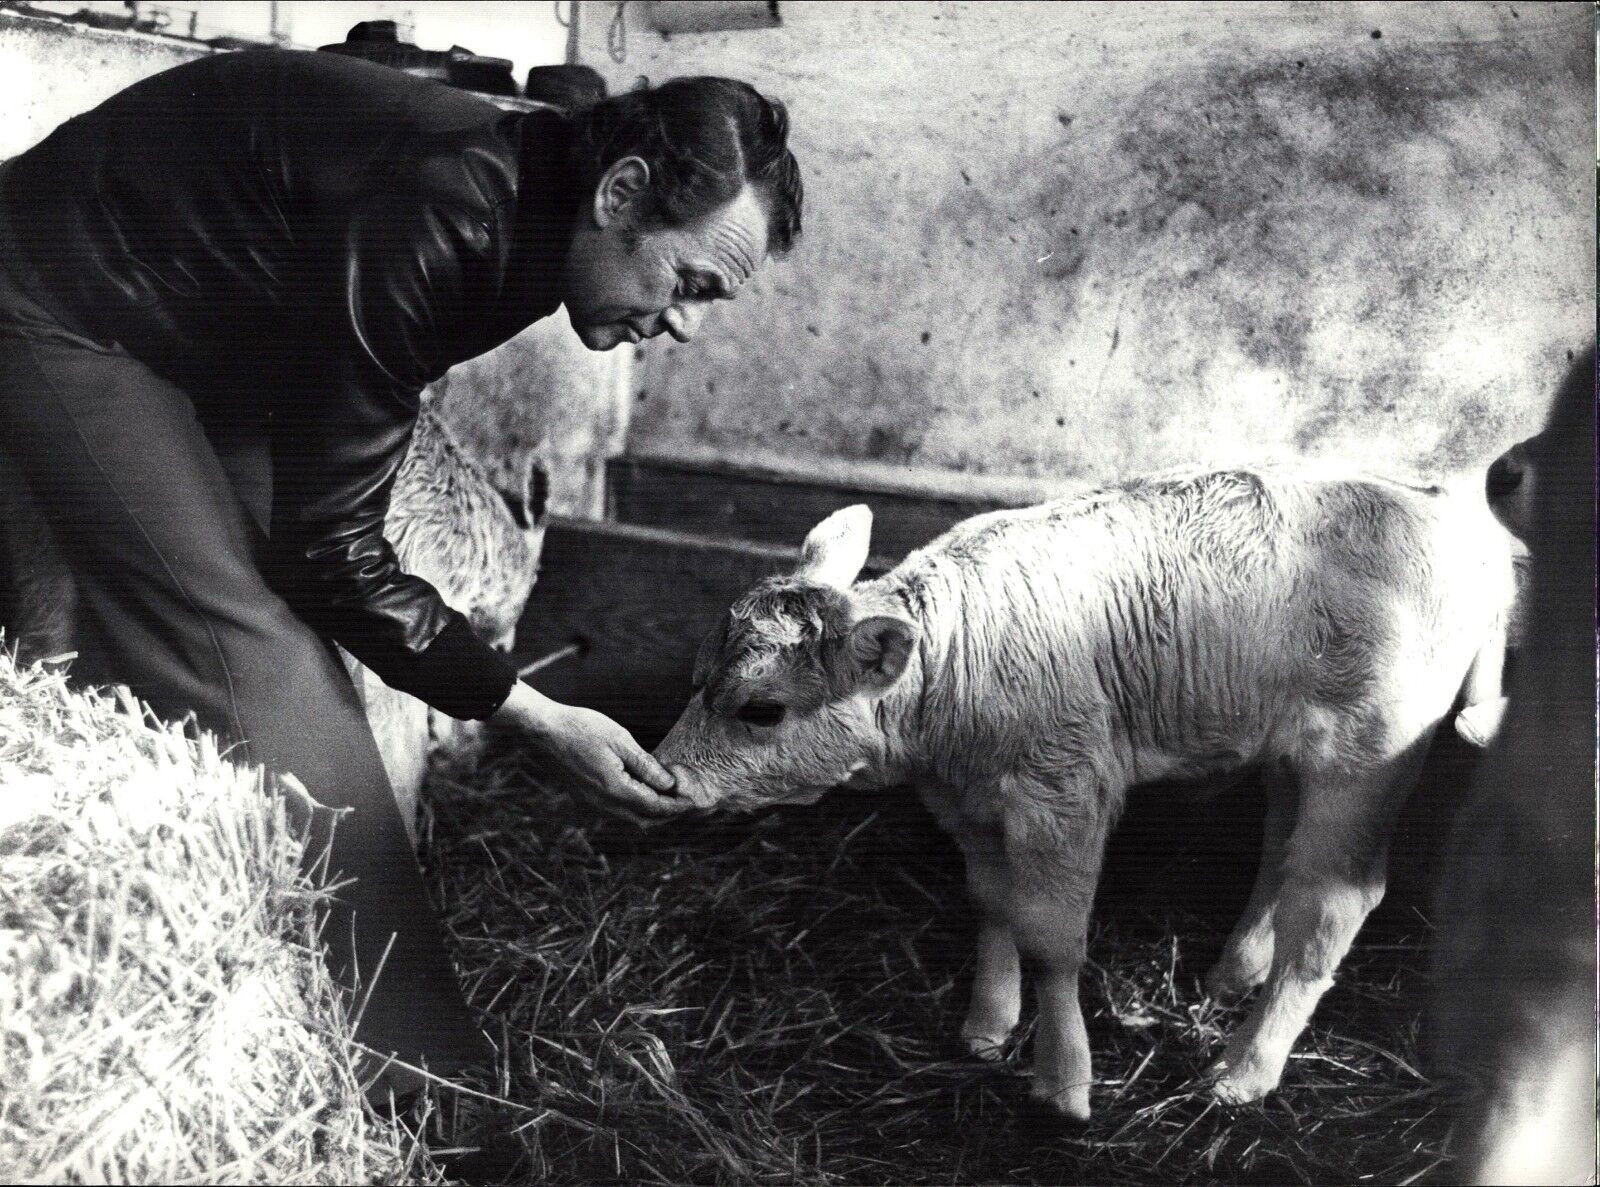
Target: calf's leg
[1247, 956]
[997, 982]
[1333, 876]
[1054, 869]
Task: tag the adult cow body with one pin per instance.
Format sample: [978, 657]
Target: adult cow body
[1514, 1000]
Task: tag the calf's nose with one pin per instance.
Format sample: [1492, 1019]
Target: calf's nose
[689, 785]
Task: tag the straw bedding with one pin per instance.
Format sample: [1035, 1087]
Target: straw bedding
[775, 999]
[764, 1000]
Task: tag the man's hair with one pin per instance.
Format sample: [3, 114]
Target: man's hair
[704, 140]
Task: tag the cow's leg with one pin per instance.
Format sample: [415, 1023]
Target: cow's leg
[1333, 875]
[997, 982]
[1055, 865]
[1247, 956]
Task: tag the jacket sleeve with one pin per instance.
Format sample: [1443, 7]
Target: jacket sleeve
[340, 433]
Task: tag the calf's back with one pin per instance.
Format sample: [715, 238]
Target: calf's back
[1181, 623]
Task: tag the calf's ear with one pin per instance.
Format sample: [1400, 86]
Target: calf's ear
[710, 650]
[873, 654]
[836, 548]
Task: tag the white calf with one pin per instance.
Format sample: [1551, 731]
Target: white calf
[1029, 667]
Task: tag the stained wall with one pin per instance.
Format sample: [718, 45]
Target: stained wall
[1073, 241]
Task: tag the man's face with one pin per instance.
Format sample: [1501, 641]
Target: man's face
[625, 285]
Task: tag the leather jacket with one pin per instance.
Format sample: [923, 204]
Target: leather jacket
[322, 237]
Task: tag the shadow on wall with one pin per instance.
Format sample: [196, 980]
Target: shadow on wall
[1320, 225]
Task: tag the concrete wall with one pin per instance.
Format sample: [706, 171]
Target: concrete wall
[1072, 241]
[51, 71]
[541, 393]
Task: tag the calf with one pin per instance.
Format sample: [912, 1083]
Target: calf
[1027, 668]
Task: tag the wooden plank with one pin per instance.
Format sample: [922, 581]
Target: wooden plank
[749, 505]
[641, 600]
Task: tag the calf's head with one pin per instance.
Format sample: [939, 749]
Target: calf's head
[788, 684]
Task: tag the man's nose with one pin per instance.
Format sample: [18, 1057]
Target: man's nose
[683, 320]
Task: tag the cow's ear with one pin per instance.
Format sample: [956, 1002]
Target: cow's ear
[873, 654]
[527, 506]
[710, 651]
[835, 550]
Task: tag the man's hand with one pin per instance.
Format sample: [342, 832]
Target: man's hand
[590, 755]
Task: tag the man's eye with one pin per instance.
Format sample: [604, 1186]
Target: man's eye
[700, 289]
[762, 713]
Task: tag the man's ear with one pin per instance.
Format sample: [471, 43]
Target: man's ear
[620, 186]
[836, 548]
[874, 654]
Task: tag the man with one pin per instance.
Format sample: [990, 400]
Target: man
[222, 292]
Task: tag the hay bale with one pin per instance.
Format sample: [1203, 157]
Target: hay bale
[165, 1013]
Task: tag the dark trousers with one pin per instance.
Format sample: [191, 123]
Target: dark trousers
[160, 519]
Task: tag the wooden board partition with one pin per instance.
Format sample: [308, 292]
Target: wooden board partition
[734, 503]
[640, 600]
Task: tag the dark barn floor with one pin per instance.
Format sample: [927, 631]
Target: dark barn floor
[775, 1000]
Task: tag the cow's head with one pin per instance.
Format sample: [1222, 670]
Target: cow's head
[788, 683]
[1510, 486]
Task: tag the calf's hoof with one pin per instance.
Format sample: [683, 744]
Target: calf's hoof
[1241, 1083]
[1231, 978]
[1070, 1101]
[985, 1042]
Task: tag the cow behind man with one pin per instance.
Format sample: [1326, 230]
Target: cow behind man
[479, 547]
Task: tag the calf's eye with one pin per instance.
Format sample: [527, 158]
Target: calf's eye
[763, 713]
